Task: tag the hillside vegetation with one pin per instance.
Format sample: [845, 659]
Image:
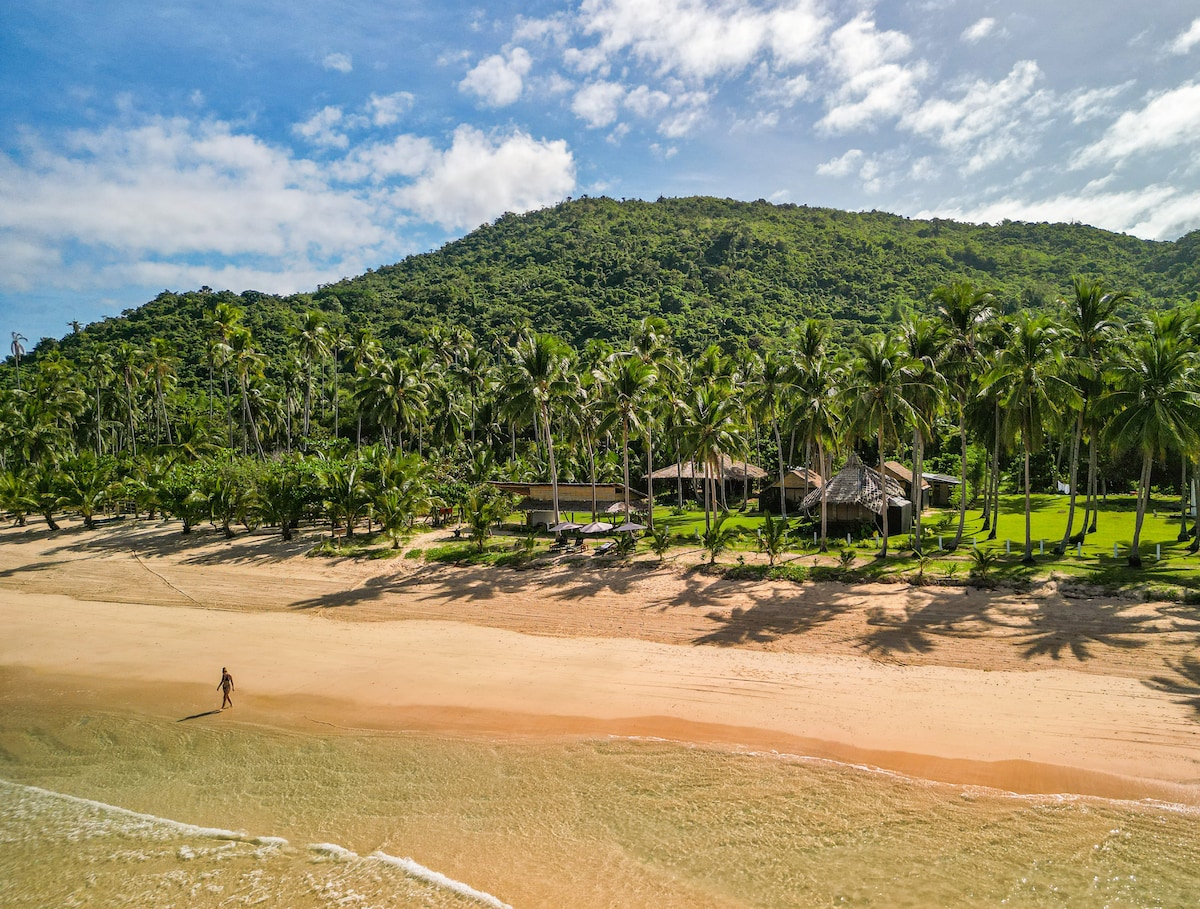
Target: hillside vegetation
[717, 271]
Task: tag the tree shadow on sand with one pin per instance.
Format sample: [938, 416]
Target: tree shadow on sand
[1185, 685]
[916, 631]
[1060, 628]
[770, 620]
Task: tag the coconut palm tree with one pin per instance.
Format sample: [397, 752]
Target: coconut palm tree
[395, 395]
[650, 342]
[1154, 407]
[773, 397]
[877, 401]
[160, 367]
[628, 383]
[1029, 374]
[1089, 324]
[18, 350]
[712, 431]
[313, 343]
[923, 341]
[964, 309]
[536, 382]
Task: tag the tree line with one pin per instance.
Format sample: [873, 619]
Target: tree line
[346, 427]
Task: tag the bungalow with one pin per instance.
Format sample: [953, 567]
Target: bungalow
[797, 483]
[854, 496]
[537, 499]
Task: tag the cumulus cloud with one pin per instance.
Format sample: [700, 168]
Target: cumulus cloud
[1184, 42]
[338, 62]
[988, 122]
[598, 103]
[1170, 119]
[480, 177]
[1156, 212]
[698, 40]
[385, 110]
[873, 83]
[842, 166]
[980, 30]
[178, 202]
[498, 80]
[320, 128]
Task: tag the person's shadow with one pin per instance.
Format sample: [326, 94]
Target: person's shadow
[196, 716]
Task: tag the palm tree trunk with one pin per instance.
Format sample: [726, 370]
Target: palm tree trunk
[553, 466]
[995, 490]
[1183, 502]
[782, 485]
[1075, 443]
[825, 468]
[1028, 560]
[883, 504]
[962, 489]
[918, 488]
[1093, 482]
[1135, 556]
[649, 482]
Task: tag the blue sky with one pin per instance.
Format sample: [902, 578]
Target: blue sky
[277, 146]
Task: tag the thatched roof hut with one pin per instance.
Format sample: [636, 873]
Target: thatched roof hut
[731, 470]
[854, 496]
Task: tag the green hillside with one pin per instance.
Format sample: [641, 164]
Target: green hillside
[717, 270]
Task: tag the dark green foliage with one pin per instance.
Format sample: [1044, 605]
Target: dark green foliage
[716, 270]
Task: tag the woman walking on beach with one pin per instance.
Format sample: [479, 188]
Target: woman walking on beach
[226, 686]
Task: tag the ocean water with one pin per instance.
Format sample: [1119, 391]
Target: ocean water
[106, 809]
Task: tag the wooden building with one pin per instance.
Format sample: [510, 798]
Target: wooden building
[797, 483]
[854, 496]
[537, 499]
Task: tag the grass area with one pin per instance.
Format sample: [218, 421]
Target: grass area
[359, 546]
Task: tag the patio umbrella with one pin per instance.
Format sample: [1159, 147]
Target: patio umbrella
[630, 527]
[596, 527]
[564, 526]
[619, 507]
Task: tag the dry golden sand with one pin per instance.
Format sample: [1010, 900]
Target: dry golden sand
[1032, 692]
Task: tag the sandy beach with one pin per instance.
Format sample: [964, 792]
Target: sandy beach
[1046, 691]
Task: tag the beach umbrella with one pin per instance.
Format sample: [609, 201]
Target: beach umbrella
[619, 507]
[630, 527]
[596, 527]
[564, 526]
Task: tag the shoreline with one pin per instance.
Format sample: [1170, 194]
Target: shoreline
[971, 699]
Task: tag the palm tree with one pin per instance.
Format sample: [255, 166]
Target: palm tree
[130, 359]
[965, 309]
[818, 412]
[394, 393]
[1089, 326]
[878, 403]
[537, 380]
[711, 433]
[18, 351]
[628, 383]
[1032, 388]
[313, 337]
[160, 366]
[773, 397]
[650, 344]
[1155, 407]
[247, 365]
[923, 343]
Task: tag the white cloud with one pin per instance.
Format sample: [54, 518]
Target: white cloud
[647, 102]
[175, 202]
[385, 110]
[989, 122]
[338, 62]
[1186, 40]
[498, 80]
[319, 128]
[1156, 212]
[980, 30]
[173, 188]
[842, 166]
[695, 39]
[598, 104]
[1091, 104]
[874, 85]
[1170, 119]
[478, 178]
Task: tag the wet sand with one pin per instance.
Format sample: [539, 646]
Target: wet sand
[1041, 692]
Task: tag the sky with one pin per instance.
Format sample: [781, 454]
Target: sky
[254, 144]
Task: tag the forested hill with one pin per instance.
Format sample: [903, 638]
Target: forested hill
[716, 270]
